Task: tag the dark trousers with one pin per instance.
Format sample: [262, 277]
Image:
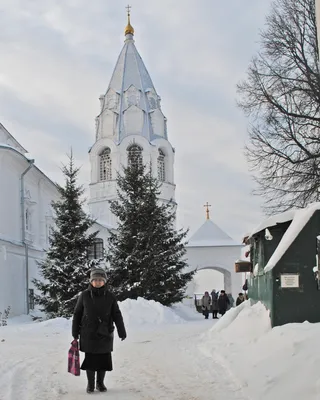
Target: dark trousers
[222, 312]
[214, 314]
[206, 314]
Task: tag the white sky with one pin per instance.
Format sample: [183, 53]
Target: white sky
[58, 57]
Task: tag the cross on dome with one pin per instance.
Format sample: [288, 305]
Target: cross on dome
[129, 29]
[207, 205]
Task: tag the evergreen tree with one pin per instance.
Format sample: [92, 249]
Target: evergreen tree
[66, 268]
[146, 253]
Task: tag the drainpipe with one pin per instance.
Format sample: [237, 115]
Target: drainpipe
[318, 22]
[25, 244]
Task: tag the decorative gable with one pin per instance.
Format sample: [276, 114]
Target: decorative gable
[152, 99]
[108, 120]
[158, 123]
[133, 120]
[112, 100]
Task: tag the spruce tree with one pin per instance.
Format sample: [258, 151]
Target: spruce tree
[66, 268]
[146, 253]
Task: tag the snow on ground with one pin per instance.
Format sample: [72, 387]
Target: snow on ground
[279, 363]
[170, 354]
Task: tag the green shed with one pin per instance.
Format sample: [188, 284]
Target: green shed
[284, 252]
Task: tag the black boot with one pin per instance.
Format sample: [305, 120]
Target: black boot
[100, 378]
[90, 376]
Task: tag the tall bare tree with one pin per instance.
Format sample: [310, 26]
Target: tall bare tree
[281, 97]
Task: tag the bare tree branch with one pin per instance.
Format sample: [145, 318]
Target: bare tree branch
[281, 98]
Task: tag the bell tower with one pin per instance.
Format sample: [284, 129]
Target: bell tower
[130, 120]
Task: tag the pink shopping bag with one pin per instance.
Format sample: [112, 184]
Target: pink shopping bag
[74, 359]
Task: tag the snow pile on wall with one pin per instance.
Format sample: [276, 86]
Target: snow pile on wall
[278, 363]
[236, 326]
[143, 312]
[301, 218]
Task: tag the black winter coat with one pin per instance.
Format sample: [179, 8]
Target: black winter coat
[223, 302]
[94, 316]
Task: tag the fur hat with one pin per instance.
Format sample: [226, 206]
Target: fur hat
[98, 273]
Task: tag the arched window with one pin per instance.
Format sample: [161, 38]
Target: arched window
[105, 165]
[135, 155]
[161, 166]
[96, 250]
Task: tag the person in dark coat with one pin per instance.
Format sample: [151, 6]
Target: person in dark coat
[94, 317]
[214, 306]
[223, 302]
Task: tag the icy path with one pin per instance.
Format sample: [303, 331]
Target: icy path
[163, 364]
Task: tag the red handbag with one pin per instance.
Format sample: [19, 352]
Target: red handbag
[74, 358]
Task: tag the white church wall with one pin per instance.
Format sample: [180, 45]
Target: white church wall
[38, 195]
[12, 165]
[12, 279]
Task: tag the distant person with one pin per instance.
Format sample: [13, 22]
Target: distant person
[214, 304]
[223, 302]
[206, 303]
[245, 286]
[94, 317]
[240, 299]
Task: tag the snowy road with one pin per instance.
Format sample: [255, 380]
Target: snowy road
[166, 363]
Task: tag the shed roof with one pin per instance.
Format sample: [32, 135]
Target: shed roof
[299, 220]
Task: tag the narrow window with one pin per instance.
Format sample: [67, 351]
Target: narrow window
[105, 165]
[161, 166]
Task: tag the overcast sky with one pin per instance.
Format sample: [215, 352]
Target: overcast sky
[57, 57]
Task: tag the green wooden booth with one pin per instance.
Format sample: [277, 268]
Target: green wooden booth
[284, 265]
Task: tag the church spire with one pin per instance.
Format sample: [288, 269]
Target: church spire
[131, 105]
[129, 29]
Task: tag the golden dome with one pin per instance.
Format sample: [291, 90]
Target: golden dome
[129, 29]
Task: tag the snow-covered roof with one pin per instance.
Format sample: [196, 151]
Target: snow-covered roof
[130, 70]
[26, 158]
[274, 220]
[132, 96]
[210, 235]
[8, 139]
[299, 220]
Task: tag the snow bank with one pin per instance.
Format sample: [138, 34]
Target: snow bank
[278, 363]
[141, 312]
[136, 313]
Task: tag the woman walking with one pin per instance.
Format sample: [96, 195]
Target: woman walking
[94, 316]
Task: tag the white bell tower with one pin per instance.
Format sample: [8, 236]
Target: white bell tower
[130, 121]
